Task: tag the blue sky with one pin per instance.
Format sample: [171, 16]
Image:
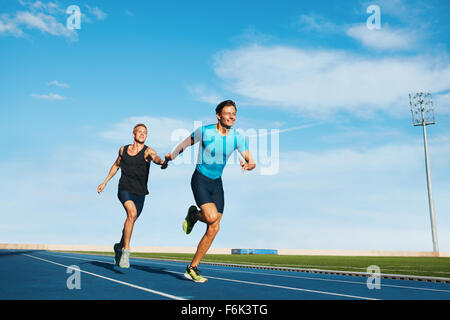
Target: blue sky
[351, 171]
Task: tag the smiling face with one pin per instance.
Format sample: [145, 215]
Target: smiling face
[227, 116]
[140, 134]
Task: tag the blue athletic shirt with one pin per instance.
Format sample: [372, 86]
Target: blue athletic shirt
[215, 149]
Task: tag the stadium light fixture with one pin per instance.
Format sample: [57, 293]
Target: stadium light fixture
[422, 110]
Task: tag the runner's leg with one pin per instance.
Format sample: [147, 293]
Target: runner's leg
[209, 215]
[127, 231]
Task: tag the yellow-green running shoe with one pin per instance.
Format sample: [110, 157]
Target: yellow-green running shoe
[190, 220]
[193, 274]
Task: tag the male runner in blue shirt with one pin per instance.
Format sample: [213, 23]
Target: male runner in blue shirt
[217, 143]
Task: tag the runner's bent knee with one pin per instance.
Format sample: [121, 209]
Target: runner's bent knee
[210, 213]
[131, 210]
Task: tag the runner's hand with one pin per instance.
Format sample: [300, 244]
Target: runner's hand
[101, 187]
[168, 157]
[244, 165]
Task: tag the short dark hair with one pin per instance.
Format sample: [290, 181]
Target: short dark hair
[139, 125]
[223, 104]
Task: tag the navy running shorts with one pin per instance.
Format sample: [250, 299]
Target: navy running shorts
[207, 190]
[125, 195]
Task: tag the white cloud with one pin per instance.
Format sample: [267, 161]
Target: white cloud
[9, 26]
[58, 84]
[35, 20]
[37, 5]
[321, 82]
[200, 92]
[50, 96]
[97, 12]
[314, 22]
[385, 38]
[48, 18]
[44, 23]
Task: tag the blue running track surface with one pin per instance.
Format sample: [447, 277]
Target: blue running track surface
[44, 275]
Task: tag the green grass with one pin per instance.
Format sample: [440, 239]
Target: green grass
[420, 266]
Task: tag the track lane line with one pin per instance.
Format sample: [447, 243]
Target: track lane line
[269, 274]
[110, 279]
[259, 283]
[292, 288]
[333, 280]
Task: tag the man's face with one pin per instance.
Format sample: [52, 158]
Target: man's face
[140, 134]
[228, 116]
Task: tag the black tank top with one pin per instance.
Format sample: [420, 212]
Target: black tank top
[135, 172]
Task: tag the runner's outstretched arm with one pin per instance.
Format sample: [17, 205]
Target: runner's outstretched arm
[115, 167]
[189, 141]
[151, 155]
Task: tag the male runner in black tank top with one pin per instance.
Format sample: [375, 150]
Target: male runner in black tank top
[134, 160]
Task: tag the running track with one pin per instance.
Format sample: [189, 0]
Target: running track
[43, 275]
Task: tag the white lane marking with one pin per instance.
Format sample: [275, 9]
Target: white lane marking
[280, 275]
[113, 280]
[262, 284]
[288, 288]
[300, 277]
[332, 280]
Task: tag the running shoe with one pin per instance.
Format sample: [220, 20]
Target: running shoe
[193, 274]
[117, 253]
[190, 220]
[125, 259]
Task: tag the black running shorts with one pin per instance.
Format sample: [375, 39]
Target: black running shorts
[125, 195]
[207, 190]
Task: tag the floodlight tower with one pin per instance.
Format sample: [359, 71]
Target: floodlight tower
[422, 115]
